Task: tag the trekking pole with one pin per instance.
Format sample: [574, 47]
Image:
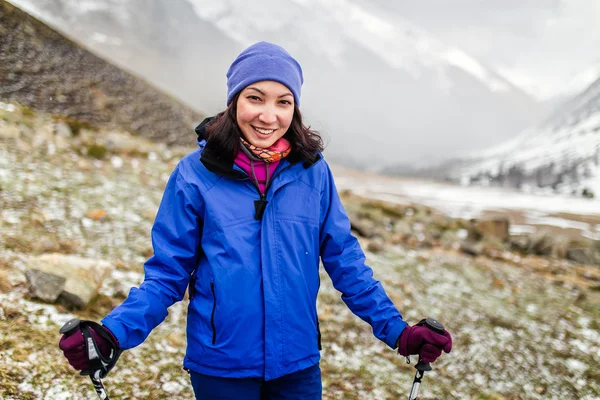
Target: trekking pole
[100, 366]
[421, 366]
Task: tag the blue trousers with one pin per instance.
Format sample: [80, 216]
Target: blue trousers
[301, 385]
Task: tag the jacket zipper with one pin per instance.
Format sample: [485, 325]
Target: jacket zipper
[261, 204]
[212, 316]
[319, 335]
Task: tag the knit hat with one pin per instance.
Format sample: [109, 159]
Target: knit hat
[264, 61]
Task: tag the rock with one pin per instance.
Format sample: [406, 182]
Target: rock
[96, 215]
[9, 132]
[411, 241]
[62, 135]
[45, 286]
[397, 238]
[176, 339]
[44, 134]
[540, 243]
[402, 227]
[441, 222]
[472, 248]
[493, 228]
[499, 283]
[125, 143]
[594, 252]
[540, 390]
[395, 211]
[519, 242]
[364, 227]
[579, 255]
[44, 245]
[62, 129]
[560, 245]
[84, 276]
[375, 246]
[435, 234]
[359, 226]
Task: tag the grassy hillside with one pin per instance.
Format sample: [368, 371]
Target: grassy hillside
[522, 330]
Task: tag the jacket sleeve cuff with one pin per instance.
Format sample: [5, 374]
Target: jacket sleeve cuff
[396, 328]
[116, 330]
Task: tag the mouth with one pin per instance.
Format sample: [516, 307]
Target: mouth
[263, 131]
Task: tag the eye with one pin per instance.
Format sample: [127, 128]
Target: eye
[253, 98]
[286, 102]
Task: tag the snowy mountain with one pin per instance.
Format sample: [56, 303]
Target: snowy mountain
[562, 153]
[382, 90]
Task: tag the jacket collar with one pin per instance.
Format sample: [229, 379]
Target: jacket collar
[222, 164]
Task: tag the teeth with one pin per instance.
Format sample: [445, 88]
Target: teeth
[265, 131]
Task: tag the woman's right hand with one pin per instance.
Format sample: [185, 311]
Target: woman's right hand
[425, 342]
[74, 349]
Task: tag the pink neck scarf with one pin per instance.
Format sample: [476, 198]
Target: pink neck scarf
[260, 169]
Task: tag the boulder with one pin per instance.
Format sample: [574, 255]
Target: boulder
[497, 228]
[364, 227]
[472, 248]
[376, 246]
[84, 276]
[369, 229]
[541, 243]
[519, 242]
[579, 255]
[402, 227]
[594, 252]
[45, 286]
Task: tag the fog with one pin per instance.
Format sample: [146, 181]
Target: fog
[388, 84]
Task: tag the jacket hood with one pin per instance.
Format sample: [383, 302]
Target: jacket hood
[214, 160]
[201, 131]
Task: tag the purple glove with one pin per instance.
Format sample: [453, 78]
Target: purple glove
[425, 342]
[74, 349]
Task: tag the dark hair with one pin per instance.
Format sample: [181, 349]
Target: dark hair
[223, 134]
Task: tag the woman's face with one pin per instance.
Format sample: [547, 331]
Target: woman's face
[264, 112]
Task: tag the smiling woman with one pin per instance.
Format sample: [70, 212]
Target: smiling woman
[264, 112]
[244, 223]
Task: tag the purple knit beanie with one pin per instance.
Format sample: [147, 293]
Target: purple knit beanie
[264, 61]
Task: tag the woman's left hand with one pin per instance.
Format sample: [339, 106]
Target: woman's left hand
[425, 342]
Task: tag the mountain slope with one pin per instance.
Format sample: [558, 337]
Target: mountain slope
[381, 90]
[562, 153]
[46, 71]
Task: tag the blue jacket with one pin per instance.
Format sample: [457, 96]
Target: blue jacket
[254, 312]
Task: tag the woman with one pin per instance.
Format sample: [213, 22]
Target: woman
[244, 222]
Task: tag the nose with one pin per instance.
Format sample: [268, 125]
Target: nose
[268, 115]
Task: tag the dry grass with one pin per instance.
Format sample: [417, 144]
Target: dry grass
[5, 285]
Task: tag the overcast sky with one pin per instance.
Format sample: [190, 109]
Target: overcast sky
[544, 46]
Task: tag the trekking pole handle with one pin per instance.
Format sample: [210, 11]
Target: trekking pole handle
[435, 326]
[70, 327]
[421, 366]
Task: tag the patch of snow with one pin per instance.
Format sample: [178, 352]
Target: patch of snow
[105, 39]
[464, 61]
[7, 107]
[173, 387]
[576, 365]
[558, 222]
[521, 229]
[459, 201]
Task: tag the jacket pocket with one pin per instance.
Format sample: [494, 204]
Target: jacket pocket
[212, 315]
